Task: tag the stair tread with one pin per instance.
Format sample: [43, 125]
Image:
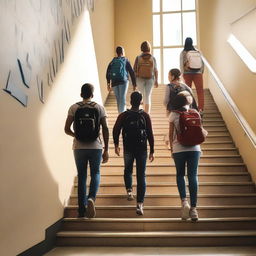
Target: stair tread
[227, 219]
[156, 234]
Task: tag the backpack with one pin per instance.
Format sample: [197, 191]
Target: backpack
[191, 131]
[118, 71]
[86, 122]
[145, 66]
[174, 90]
[194, 60]
[134, 129]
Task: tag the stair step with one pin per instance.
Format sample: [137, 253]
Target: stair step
[173, 199]
[167, 238]
[167, 211]
[157, 224]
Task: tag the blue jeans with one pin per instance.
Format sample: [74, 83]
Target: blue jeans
[82, 157]
[141, 159]
[120, 93]
[191, 158]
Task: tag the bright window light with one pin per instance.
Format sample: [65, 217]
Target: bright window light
[242, 52]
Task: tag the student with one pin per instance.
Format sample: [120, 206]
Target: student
[173, 88]
[87, 146]
[117, 78]
[192, 68]
[136, 131]
[146, 74]
[184, 156]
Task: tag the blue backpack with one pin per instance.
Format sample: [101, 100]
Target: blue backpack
[118, 71]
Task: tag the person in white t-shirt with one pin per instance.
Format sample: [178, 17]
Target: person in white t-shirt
[88, 152]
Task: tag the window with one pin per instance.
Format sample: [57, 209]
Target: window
[173, 21]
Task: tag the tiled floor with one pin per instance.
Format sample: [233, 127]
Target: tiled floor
[149, 251]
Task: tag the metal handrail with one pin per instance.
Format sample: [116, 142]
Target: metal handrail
[246, 127]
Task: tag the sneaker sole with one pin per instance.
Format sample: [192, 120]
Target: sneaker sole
[130, 198]
[185, 213]
[90, 211]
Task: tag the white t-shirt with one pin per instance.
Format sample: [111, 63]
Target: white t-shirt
[177, 147]
[97, 144]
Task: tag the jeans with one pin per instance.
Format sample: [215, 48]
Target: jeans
[145, 86]
[198, 81]
[191, 158]
[120, 93]
[82, 157]
[141, 159]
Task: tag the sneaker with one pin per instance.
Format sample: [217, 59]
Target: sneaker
[130, 196]
[193, 214]
[90, 210]
[185, 210]
[139, 209]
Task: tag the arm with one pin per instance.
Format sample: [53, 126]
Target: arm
[105, 133]
[68, 124]
[155, 73]
[108, 76]
[167, 95]
[150, 136]
[116, 133]
[135, 66]
[132, 74]
[171, 129]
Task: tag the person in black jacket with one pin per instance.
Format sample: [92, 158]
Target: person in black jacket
[136, 131]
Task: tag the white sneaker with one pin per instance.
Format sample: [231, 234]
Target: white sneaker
[90, 210]
[139, 209]
[193, 214]
[185, 210]
[130, 195]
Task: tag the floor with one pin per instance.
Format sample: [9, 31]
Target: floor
[150, 251]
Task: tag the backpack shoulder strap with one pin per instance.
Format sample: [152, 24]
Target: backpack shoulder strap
[80, 104]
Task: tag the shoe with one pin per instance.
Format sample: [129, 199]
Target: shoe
[185, 210]
[139, 209]
[193, 214]
[130, 196]
[81, 215]
[90, 210]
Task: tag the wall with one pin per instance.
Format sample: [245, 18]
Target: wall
[103, 20]
[215, 27]
[133, 25]
[53, 39]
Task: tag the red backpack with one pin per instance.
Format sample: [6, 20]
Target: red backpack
[191, 130]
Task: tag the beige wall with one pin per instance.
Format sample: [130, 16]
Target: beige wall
[102, 20]
[37, 166]
[215, 26]
[133, 25]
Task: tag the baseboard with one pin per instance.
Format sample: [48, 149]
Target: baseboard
[47, 244]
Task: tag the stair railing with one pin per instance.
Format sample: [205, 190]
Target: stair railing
[246, 127]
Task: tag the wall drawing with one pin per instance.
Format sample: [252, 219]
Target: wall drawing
[37, 33]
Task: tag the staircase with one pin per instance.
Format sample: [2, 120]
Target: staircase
[226, 201]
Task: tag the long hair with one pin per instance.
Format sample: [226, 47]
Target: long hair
[188, 46]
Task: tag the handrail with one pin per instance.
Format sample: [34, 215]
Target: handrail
[246, 127]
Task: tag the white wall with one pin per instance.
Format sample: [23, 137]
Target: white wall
[37, 166]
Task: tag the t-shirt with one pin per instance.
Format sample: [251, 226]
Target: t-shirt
[177, 147]
[97, 144]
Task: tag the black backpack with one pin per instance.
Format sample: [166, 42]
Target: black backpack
[134, 129]
[174, 90]
[86, 122]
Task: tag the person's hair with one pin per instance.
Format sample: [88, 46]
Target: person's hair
[136, 98]
[145, 46]
[175, 72]
[87, 91]
[119, 50]
[182, 99]
[188, 46]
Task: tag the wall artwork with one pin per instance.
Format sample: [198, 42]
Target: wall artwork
[37, 34]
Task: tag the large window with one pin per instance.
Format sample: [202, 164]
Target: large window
[173, 21]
